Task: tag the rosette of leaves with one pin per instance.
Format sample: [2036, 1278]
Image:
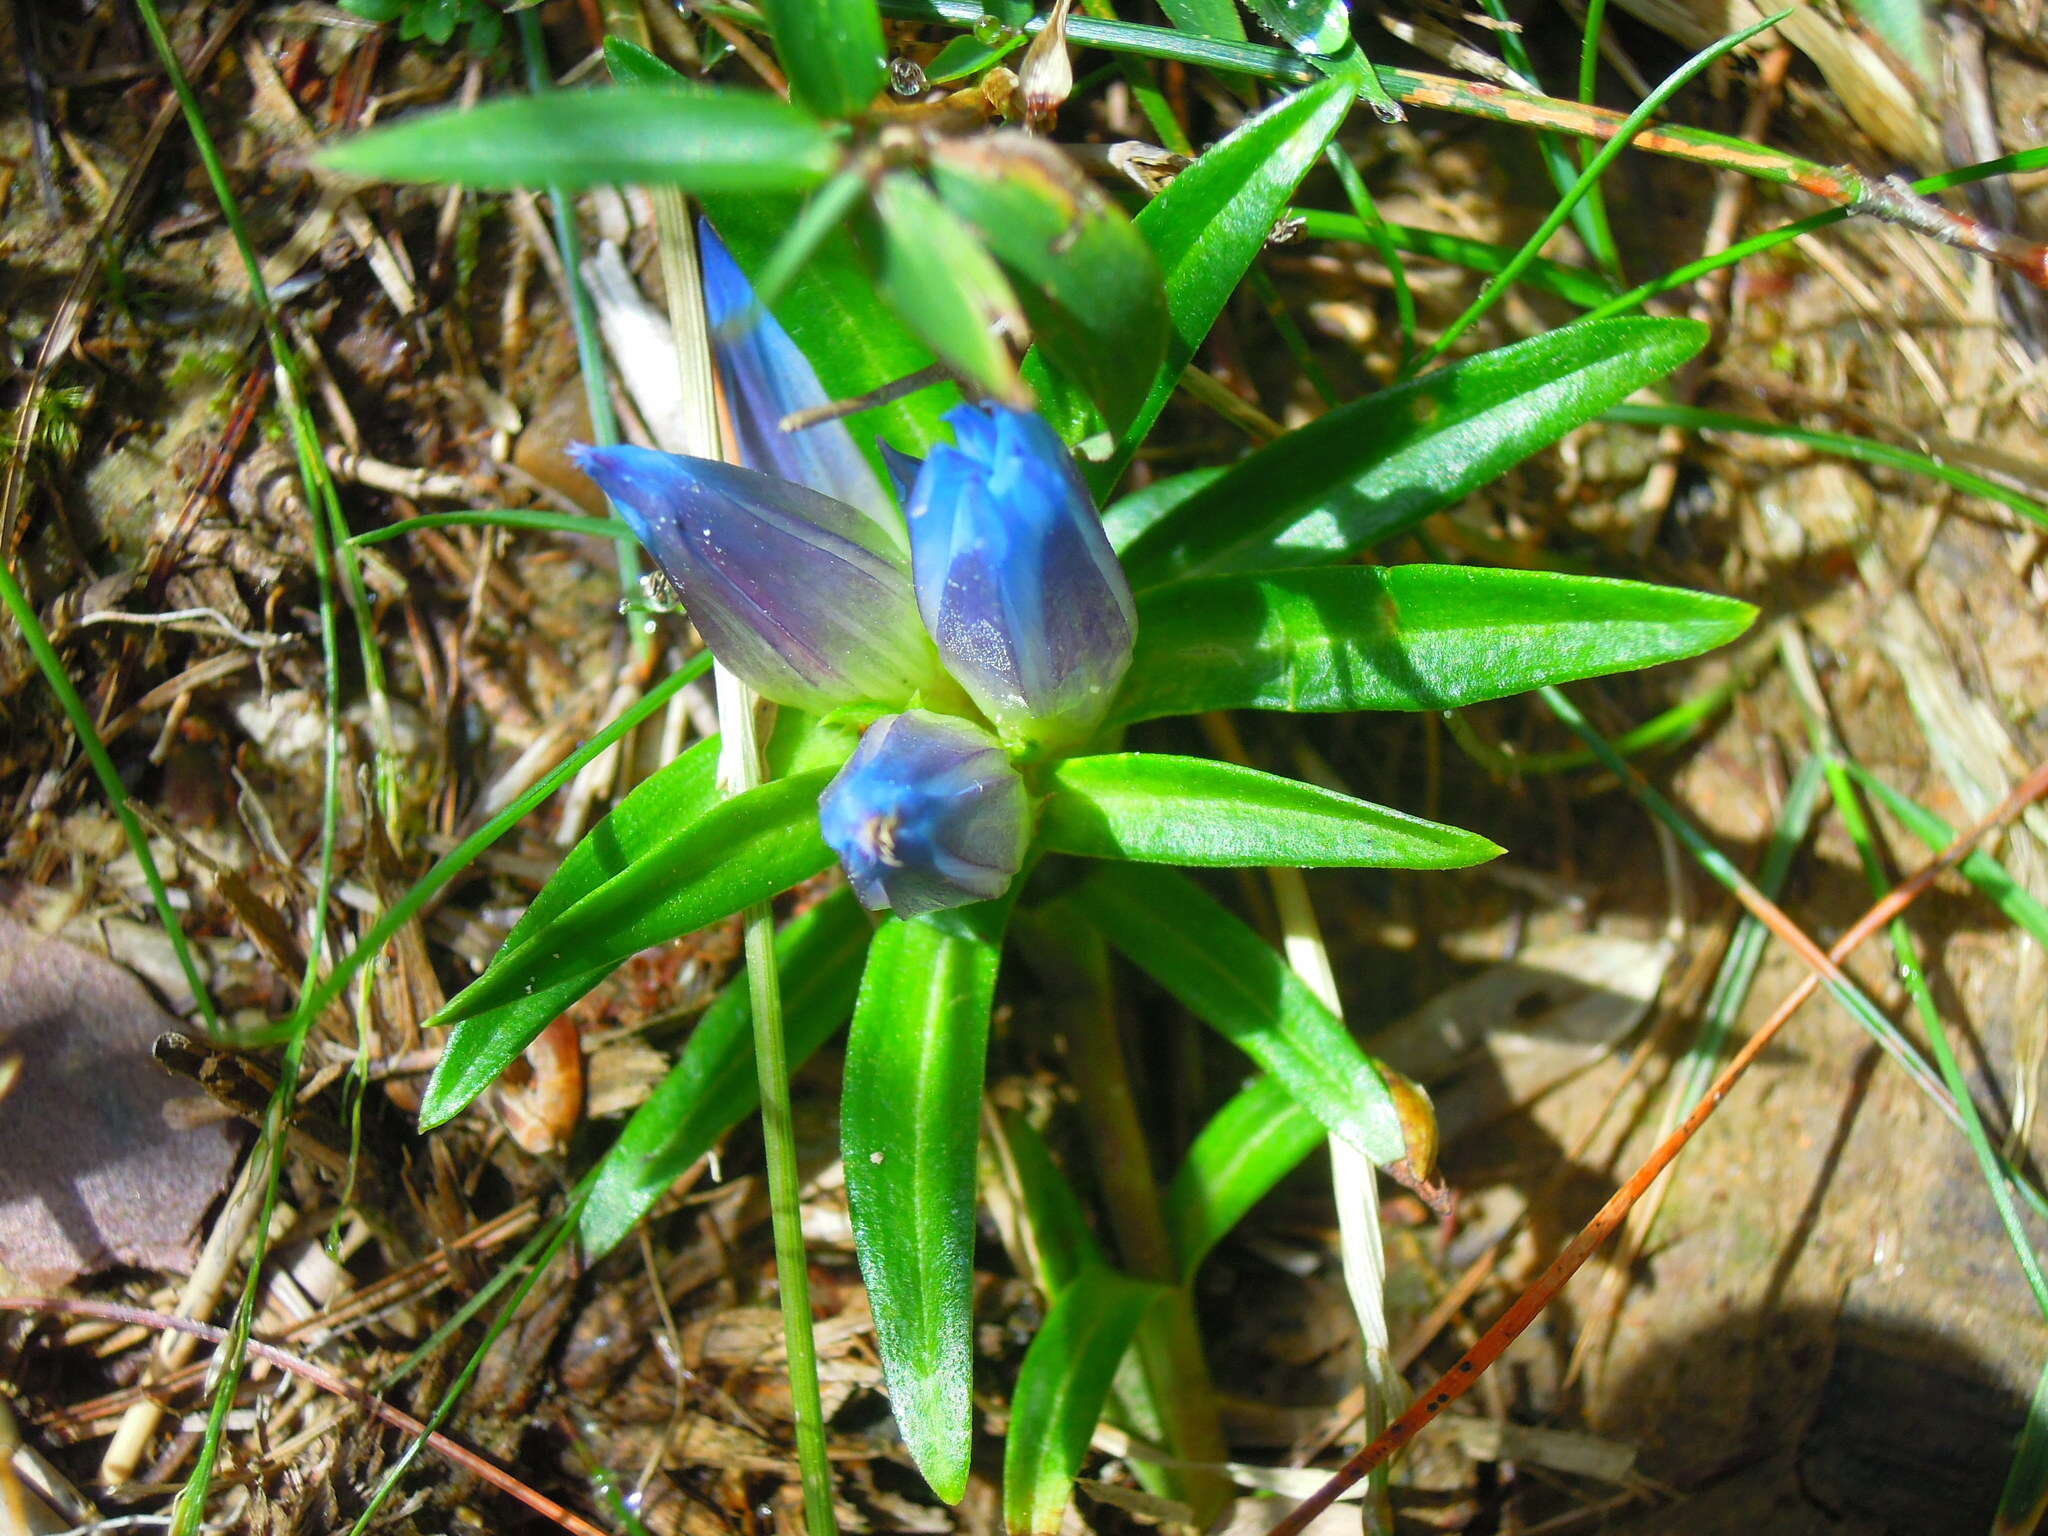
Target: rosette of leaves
[1246, 591]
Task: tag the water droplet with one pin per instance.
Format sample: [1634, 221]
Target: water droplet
[906, 77]
[991, 32]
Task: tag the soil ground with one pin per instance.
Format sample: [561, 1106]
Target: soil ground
[1823, 1329]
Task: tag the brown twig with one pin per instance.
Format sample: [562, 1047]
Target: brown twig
[1458, 1380]
[460, 1455]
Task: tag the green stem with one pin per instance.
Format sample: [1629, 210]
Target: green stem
[1715, 863]
[2022, 162]
[1841, 444]
[510, 517]
[1074, 966]
[465, 853]
[1674, 725]
[563, 1226]
[15, 600]
[1572, 284]
[1378, 231]
[740, 769]
[1635, 123]
[1911, 974]
[1590, 217]
[604, 426]
[327, 526]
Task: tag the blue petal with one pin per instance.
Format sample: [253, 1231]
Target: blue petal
[767, 378]
[800, 595]
[1015, 578]
[928, 813]
[903, 470]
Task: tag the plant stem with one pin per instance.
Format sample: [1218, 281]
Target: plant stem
[1863, 450]
[1716, 864]
[604, 427]
[1878, 198]
[23, 612]
[558, 1235]
[741, 759]
[1074, 966]
[740, 769]
[1631, 128]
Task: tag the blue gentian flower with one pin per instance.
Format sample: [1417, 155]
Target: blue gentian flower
[767, 378]
[800, 595]
[927, 814]
[1015, 578]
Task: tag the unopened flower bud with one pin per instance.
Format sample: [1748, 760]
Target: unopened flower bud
[767, 379]
[1016, 579]
[1046, 78]
[927, 814]
[799, 595]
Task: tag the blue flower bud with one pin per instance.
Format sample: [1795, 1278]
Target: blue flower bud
[767, 378]
[1015, 578]
[801, 596]
[926, 814]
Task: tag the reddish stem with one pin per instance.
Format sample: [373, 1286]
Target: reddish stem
[1458, 1380]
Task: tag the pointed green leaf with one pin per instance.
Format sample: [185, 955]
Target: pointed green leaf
[1160, 809]
[1233, 980]
[1306, 26]
[1402, 637]
[674, 796]
[1249, 1145]
[484, 1045]
[1061, 1389]
[713, 1086]
[1210, 224]
[1206, 18]
[1058, 1227]
[743, 850]
[697, 138]
[1087, 280]
[1376, 467]
[908, 1130]
[630, 64]
[832, 51]
[943, 284]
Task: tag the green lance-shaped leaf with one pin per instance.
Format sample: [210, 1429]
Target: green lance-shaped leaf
[713, 1085]
[696, 138]
[1206, 18]
[1376, 467]
[485, 1044]
[1210, 224]
[832, 51]
[740, 851]
[1088, 282]
[1249, 1145]
[1161, 809]
[908, 1128]
[673, 796]
[630, 64]
[1056, 1227]
[1231, 979]
[943, 284]
[1402, 637]
[1061, 1388]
